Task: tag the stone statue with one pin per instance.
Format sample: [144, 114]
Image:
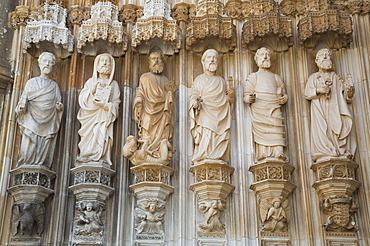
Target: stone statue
[39, 112]
[212, 211]
[275, 217]
[154, 115]
[331, 119]
[25, 216]
[151, 217]
[210, 112]
[89, 220]
[265, 92]
[99, 101]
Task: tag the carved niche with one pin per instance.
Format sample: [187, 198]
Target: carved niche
[102, 31]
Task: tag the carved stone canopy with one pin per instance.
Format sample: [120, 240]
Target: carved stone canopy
[271, 29]
[156, 26]
[48, 32]
[103, 25]
[330, 26]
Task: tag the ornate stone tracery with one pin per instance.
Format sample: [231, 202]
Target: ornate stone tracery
[103, 25]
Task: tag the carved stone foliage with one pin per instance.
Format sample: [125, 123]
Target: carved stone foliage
[330, 26]
[156, 23]
[28, 219]
[50, 26]
[77, 14]
[340, 212]
[181, 11]
[233, 9]
[152, 173]
[103, 25]
[89, 221]
[209, 22]
[19, 17]
[271, 171]
[258, 28]
[214, 171]
[150, 215]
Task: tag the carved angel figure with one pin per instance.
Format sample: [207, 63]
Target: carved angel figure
[25, 216]
[274, 215]
[212, 211]
[154, 113]
[151, 216]
[89, 220]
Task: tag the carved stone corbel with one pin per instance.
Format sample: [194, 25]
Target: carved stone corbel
[212, 186]
[233, 9]
[76, 15]
[128, 13]
[181, 11]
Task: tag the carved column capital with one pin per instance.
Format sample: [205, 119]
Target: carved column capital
[233, 9]
[180, 11]
[128, 13]
[19, 17]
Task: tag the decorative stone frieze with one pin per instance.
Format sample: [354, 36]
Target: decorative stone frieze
[19, 17]
[259, 29]
[102, 31]
[330, 26]
[49, 32]
[209, 26]
[156, 29]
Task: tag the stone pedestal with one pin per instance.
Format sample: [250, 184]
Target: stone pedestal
[91, 186]
[335, 184]
[272, 186]
[32, 185]
[211, 187]
[151, 190]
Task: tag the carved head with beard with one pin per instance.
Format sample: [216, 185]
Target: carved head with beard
[156, 64]
[46, 63]
[262, 58]
[104, 65]
[210, 60]
[323, 60]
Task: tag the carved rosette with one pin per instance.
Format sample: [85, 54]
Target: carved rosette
[151, 190]
[156, 28]
[32, 185]
[330, 26]
[270, 28]
[19, 17]
[92, 187]
[272, 186]
[102, 26]
[212, 186]
[335, 184]
[49, 32]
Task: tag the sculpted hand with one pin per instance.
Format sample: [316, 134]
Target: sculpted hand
[59, 106]
[350, 91]
[323, 90]
[282, 98]
[20, 109]
[100, 103]
[249, 98]
[196, 103]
